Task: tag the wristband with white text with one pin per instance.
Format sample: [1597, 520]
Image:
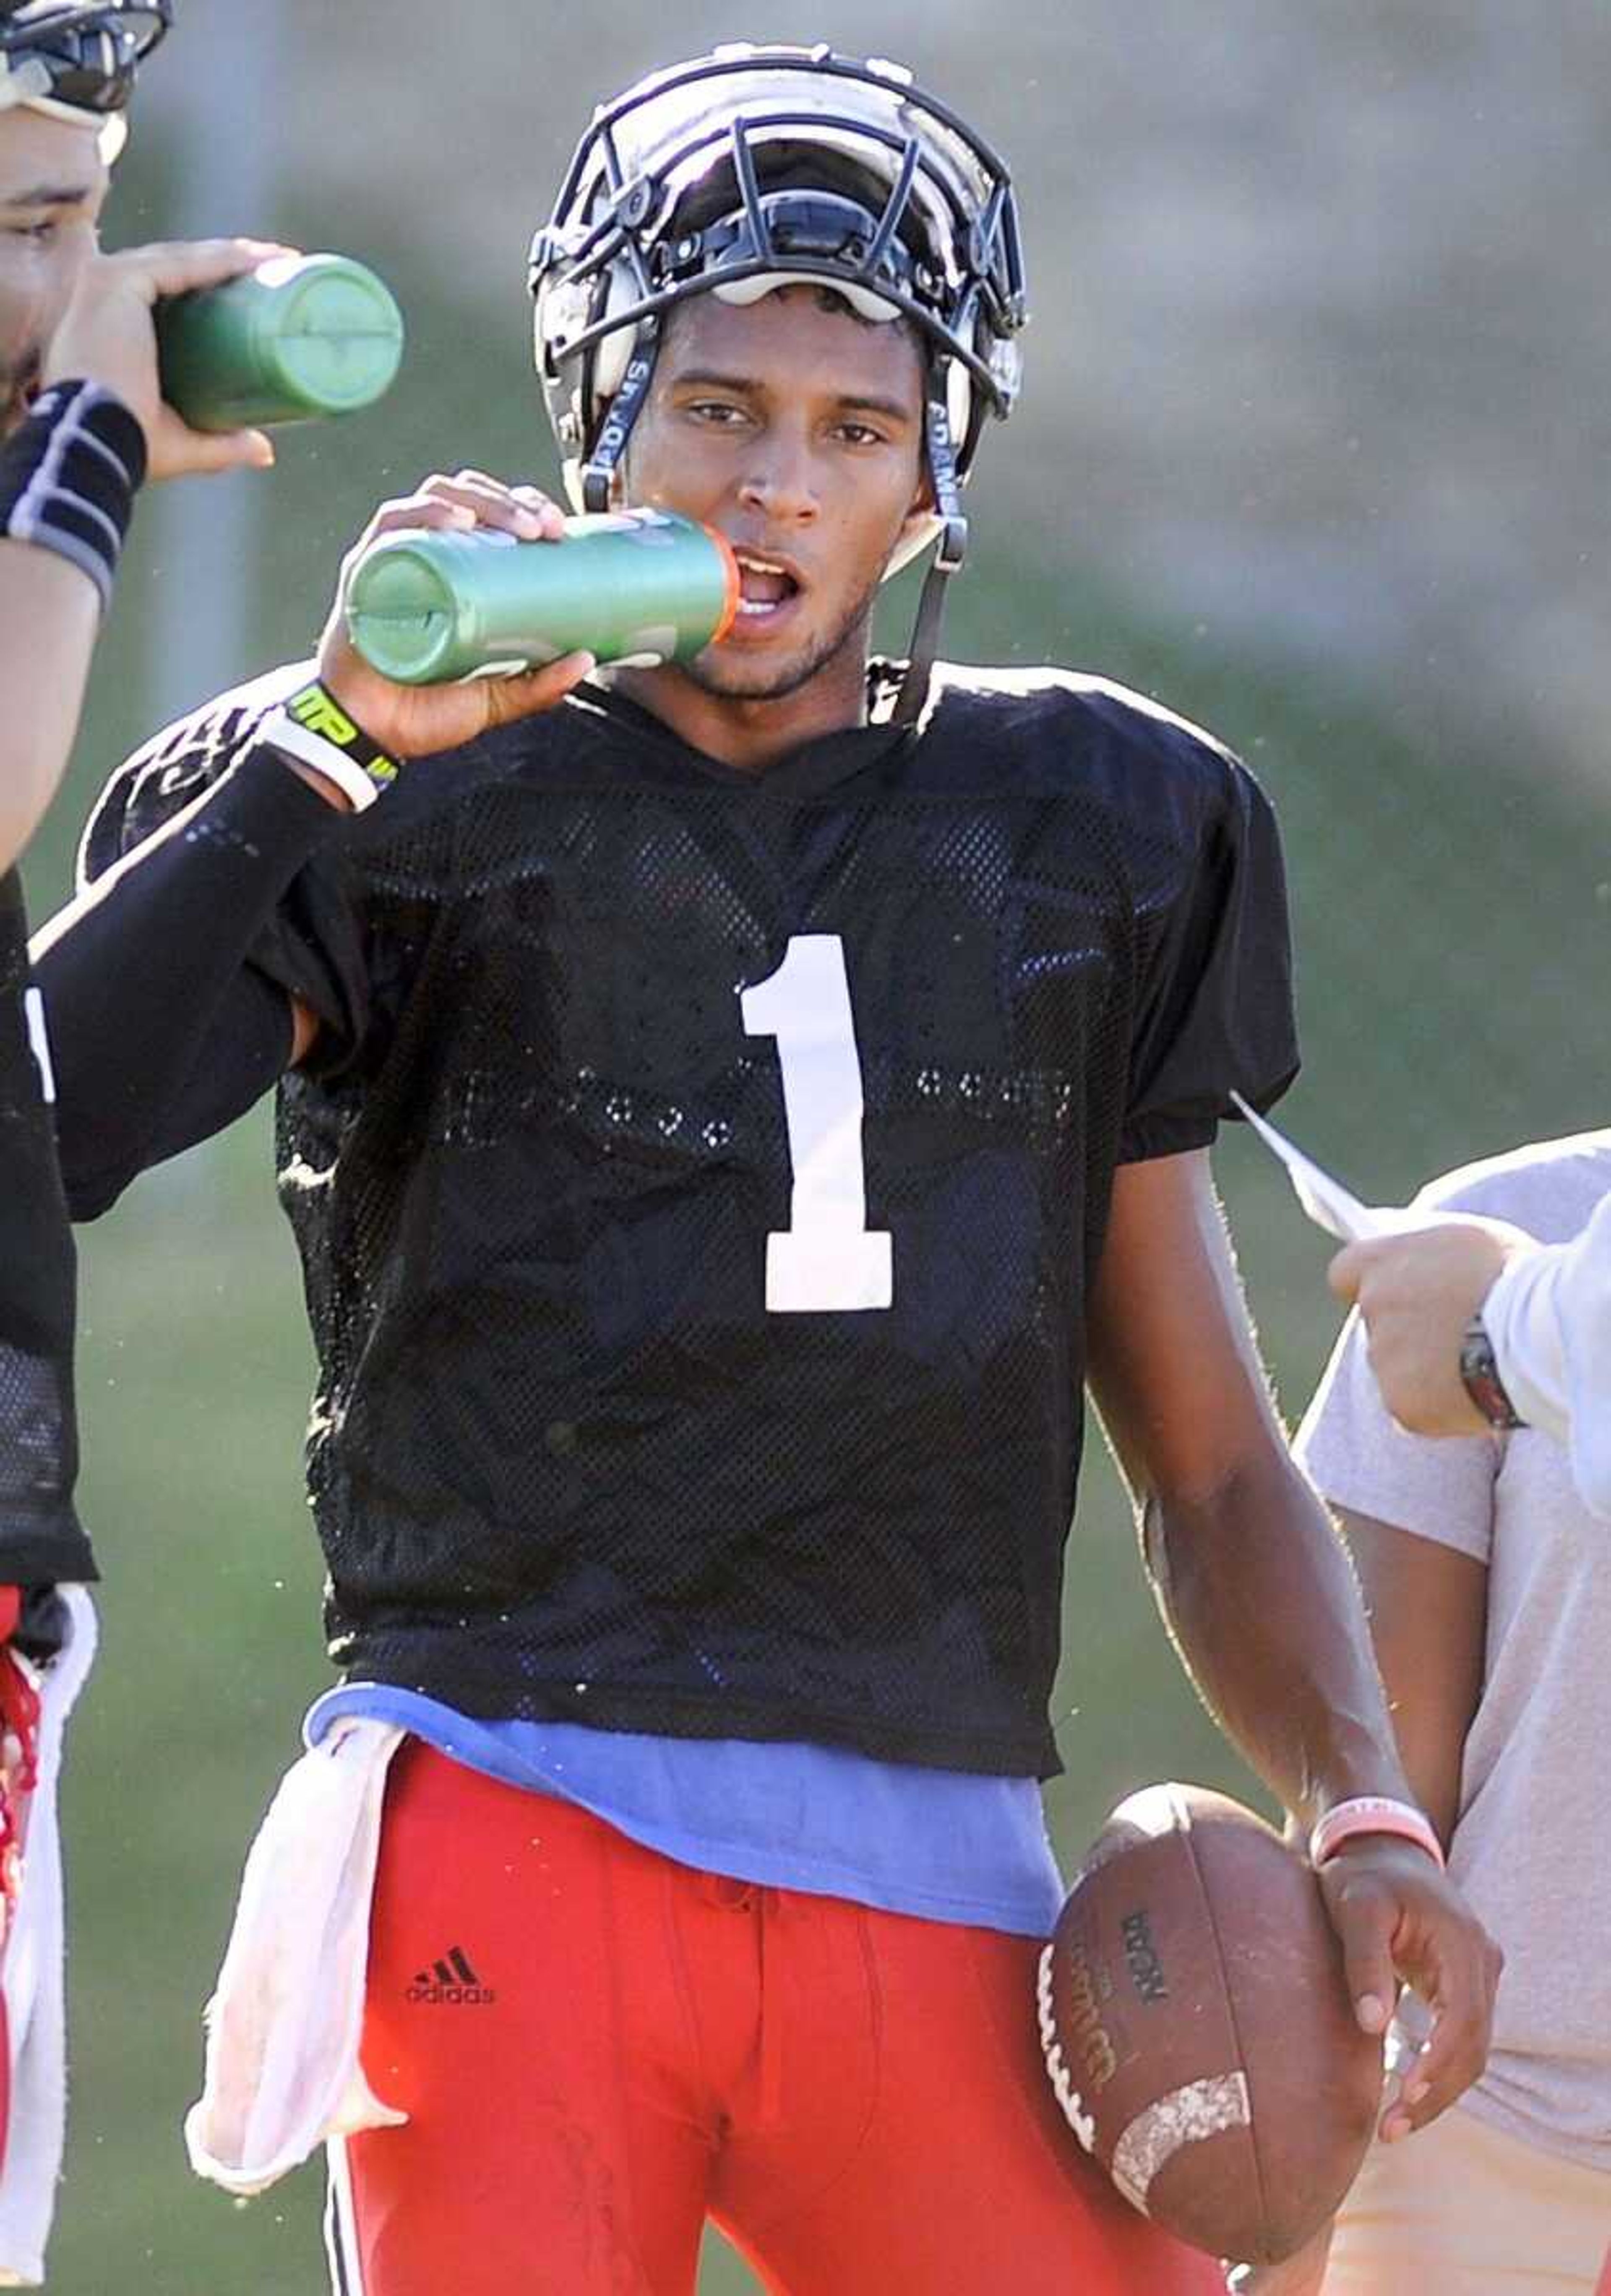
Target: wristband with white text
[312, 727]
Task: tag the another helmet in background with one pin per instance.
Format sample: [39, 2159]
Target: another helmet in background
[77, 61]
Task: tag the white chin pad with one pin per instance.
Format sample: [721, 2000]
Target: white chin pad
[610, 362]
[958, 403]
[861, 299]
[925, 532]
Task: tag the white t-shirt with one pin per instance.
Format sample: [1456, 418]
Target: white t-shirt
[1531, 1849]
[1548, 1318]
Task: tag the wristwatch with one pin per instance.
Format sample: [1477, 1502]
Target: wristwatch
[1481, 1375]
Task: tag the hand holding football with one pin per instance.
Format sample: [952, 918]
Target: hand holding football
[1198, 2030]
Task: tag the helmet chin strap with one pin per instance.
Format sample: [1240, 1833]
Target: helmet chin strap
[599, 472]
[947, 559]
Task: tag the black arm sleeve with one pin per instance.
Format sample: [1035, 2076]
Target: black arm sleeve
[168, 981]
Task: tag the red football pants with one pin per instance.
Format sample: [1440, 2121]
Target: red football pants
[599, 2048]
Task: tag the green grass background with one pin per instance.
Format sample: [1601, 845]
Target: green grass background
[1451, 905]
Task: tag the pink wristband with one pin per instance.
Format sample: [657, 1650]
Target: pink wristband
[1374, 1814]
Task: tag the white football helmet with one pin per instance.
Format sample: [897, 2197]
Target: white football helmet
[753, 167]
[75, 61]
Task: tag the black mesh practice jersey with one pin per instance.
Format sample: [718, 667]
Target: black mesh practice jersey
[700, 1177]
[40, 1535]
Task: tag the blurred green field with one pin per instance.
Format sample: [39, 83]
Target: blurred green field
[1449, 901]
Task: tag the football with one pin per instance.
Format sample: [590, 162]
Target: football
[1198, 2029]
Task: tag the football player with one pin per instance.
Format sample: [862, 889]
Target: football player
[81, 424]
[727, 1113]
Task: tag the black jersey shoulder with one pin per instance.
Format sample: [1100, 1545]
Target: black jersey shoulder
[179, 763]
[175, 765]
[1121, 773]
[987, 734]
[1051, 729]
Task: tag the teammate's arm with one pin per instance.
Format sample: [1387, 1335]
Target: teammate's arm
[1428, 1610]
[50, 613]
[1416, 1292]
[50, 605]
[1547, 1312]
[1263, 1606]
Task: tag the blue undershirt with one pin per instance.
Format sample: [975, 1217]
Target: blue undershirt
[939, 1844]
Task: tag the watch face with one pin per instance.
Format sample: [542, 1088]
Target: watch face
[1480, 1373]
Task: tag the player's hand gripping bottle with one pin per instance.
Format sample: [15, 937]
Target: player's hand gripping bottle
[304, 335]
[643, 586]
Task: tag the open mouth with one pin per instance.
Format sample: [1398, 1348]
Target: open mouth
[767, 588]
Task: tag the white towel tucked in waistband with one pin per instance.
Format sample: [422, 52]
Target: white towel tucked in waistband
[35, 1987]
[284, 2024]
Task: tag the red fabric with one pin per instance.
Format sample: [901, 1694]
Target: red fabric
[19, 1722]
[19, 1758]
[857, 2098]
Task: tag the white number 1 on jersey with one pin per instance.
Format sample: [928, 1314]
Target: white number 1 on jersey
[826, 1259]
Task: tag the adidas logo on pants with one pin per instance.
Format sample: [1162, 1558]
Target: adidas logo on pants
[451, 1984]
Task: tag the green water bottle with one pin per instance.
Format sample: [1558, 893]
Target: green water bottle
[303, 335]
[641, 586]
